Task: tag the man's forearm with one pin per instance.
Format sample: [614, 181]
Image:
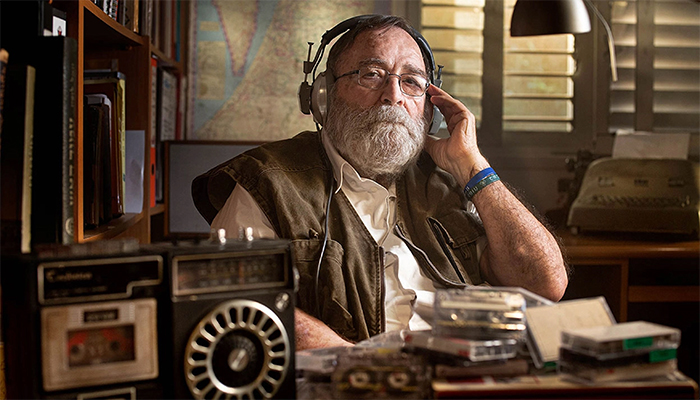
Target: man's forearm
[521, 251]
[311, 333]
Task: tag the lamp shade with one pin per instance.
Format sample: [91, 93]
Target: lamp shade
[549, 17]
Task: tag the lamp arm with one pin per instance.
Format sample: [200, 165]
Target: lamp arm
[611, 44]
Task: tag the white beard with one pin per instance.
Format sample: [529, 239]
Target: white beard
[381, 142]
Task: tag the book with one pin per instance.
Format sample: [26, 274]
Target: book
[135, 145]
[166, 118]
[113, 85]
[92, 125]
[181, 107]
[156, 36]
[121, 15]
[167, 105]
[177, 31]
[16, 159]
[103, 158]
[110, 7]
[152, 133]
[131, 15]
[146, 18]
[4, 56]
[166, 28]
[55, 111]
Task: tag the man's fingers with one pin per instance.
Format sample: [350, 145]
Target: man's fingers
[448, 105]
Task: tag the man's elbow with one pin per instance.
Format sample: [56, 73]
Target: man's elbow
[558, 280]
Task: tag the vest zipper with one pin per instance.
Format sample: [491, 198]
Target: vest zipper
[446, 245]
[420, 255]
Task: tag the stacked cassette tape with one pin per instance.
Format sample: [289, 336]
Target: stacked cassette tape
[480, 313]
[472, 326]
[380, 373]
[625, 351]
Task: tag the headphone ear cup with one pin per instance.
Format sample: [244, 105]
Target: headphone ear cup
[320, 99]
[436, 121]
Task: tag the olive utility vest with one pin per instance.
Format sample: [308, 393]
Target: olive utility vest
[291, 181]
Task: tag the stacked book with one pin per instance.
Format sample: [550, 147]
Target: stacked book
[625, 351]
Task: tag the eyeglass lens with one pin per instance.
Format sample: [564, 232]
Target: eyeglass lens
[375, 78]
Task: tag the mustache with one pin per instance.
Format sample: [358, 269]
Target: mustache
[384, 114]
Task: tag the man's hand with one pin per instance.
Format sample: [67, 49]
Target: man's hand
[458, 154]
[521, 251]
[311, 333]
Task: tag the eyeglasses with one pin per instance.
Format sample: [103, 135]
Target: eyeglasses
[375, 78]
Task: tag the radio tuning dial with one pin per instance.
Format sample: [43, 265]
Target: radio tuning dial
[238, 359]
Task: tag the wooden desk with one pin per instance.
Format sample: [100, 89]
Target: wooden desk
[651, 278]
[553, 387]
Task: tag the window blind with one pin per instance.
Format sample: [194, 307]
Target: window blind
[538, 85]
[454, 29]
[536, 77]
[658, 48]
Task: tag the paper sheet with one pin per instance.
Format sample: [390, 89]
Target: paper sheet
[651, 145]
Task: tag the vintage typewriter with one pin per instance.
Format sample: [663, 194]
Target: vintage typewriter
[638, 195]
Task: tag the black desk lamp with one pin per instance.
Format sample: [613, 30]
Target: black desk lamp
[549, 17]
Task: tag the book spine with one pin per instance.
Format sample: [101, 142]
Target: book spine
[121, 145]
[68, 165]
[152, 133]
[27, 169]
[177, 31]
[90, 134]
[16, 157]
[4, 56]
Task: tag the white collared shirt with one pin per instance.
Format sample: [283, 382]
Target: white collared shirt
[407, 291]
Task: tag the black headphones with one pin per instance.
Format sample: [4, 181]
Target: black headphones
[313, 99]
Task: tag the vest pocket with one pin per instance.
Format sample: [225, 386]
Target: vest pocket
[457, 238]
[332, 294]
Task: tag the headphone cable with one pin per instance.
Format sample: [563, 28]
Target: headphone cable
[323, 246]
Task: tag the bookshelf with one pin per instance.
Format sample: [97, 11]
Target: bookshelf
[100, 37]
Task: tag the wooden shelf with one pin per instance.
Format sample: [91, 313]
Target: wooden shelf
[166, 61]
[158, 209]
[102, 30]
[100, 37]
[114, 228]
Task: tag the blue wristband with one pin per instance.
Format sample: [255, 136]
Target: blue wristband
[489, 179]
[479, 176]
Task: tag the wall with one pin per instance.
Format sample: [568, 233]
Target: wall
[246, 64]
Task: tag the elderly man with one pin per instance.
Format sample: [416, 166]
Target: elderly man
[395, 213]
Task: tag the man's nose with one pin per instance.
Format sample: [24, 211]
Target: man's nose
[391, 92]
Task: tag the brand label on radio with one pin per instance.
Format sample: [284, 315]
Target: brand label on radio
[113, 278]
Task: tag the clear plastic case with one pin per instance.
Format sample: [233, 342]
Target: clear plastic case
[620, 339]
[473, 350]
[583, 374]
[480, 313]
[376, 374]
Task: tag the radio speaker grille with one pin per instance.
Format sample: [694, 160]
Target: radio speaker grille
[239, 350]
